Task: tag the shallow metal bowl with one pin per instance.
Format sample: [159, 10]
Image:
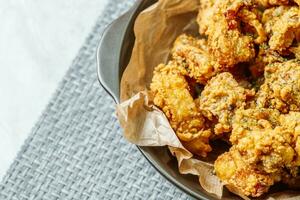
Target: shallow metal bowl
[112, 56]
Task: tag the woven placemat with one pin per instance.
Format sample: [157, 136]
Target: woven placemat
[76, 150]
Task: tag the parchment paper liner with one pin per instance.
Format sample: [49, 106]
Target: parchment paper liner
[156, 29]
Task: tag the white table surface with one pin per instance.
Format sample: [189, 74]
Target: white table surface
[38, 40]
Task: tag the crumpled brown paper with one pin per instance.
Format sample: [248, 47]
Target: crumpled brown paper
[156, 29]
[145, 125]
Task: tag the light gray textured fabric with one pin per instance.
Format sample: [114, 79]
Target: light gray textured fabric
[76, 150]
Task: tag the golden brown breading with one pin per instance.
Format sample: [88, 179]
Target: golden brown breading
[220, 98]
[240, 177]
[281, 89]
[268, 149]
[172, 95]
[291, 121]
[269, 3]
[193, 59]
[220, 21]
[281, 23]
[245, 65]
[253, 120]
[262, 152]
[206, 12]
[265, 56]
[252, 19]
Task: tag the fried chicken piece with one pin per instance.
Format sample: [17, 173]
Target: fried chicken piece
[253, 119]
[239, 177]
[193, 60]
[292, 121]
[282, 24]
[269, 3]
[262, 152]
[172, 95]
[220, 98]
[281, 89]
[257, 135]
[265, 56]
[205, 15]
[220, 21]
[269, 149]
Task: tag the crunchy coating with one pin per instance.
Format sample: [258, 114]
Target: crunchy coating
[281, 89]
[252, 120]
[264, 57]
[263, 152]
[269, 3]
[239, 82]
[240, 177]
[251, 19]
[205, 15]
[172, 95]
[267, 149]
[282, 24]
[193, 59]
[291, 121]
[220, 98]
[220, 20]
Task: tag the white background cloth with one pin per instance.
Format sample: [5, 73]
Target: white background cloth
[38, 40]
